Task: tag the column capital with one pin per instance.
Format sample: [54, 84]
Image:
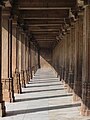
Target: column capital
[81, 13]
[6, 12]
[68, 30]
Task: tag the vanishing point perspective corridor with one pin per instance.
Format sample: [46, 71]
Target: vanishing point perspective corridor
[45, 59]
[44, 98]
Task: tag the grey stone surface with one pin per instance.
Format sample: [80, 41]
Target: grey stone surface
[44, 99]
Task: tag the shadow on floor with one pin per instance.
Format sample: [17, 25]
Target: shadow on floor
[42, 90]
[47, 97]
[18, 112]
[45, 78]
[43, 85]
[36, 82]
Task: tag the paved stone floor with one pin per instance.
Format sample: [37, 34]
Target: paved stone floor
[44, 99]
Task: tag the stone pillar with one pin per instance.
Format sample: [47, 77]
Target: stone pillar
[78, 58]
[21, 57]
[17, 46]
[85, 106]
[14, 25]
[69, 59]
[7, 80]
[15, 72]
[66, 61]
[39, 58]
[61, 61]
[16, 75]
[63, 58]
[35, 54]
[29, 74]
[71, 72]
[2, 103]
[18, 70]
[36, 59]
[31, 61]
[26, 60]
[67, 56]
[10, 60]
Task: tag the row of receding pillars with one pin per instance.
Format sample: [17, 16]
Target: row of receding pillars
[72, 60]
[19, 59]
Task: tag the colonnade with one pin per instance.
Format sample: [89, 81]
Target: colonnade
[19, 58]
[71, 59]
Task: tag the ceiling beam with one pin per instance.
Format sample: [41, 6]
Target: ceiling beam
[40, 25]
[53, 39]
[46, 3]
[46, 18]
[44, 8]
[45, 41]
[35, 22]
[45, 32]
[48, 13]
[40, 37]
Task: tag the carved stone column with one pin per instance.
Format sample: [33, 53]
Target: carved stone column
[2, 103]
[16, 75]
[61, 68]
[10, 60]
[7, 80]
[32, 60]
[66, 61]
[71, 60]
[22, 57]
[85, 106]
[39, 58]
[15, 72]
[14, 27]
[26, 60]
[29, 63]
[36, 59]
[19, 56]
[63, 58]
[78, 57]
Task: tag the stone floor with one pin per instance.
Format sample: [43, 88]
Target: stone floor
[44, 98]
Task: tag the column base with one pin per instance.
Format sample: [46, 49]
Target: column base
[18, 89]
[70, 82]
[62, 81]
[2, 109]
[84, 110]
[76, 98]
[8, 90]
[69, 89]
[22, 79]
[31, 74]
[65, 85]
[85, 106]
[27, 77]
[17, 84]
[77, 91]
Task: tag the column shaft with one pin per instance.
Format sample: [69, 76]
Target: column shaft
[85, 106]
[2, 103]
[78, 58]
[7, 80]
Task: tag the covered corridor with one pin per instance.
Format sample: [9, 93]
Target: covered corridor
[44, 98]
[45, 59]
